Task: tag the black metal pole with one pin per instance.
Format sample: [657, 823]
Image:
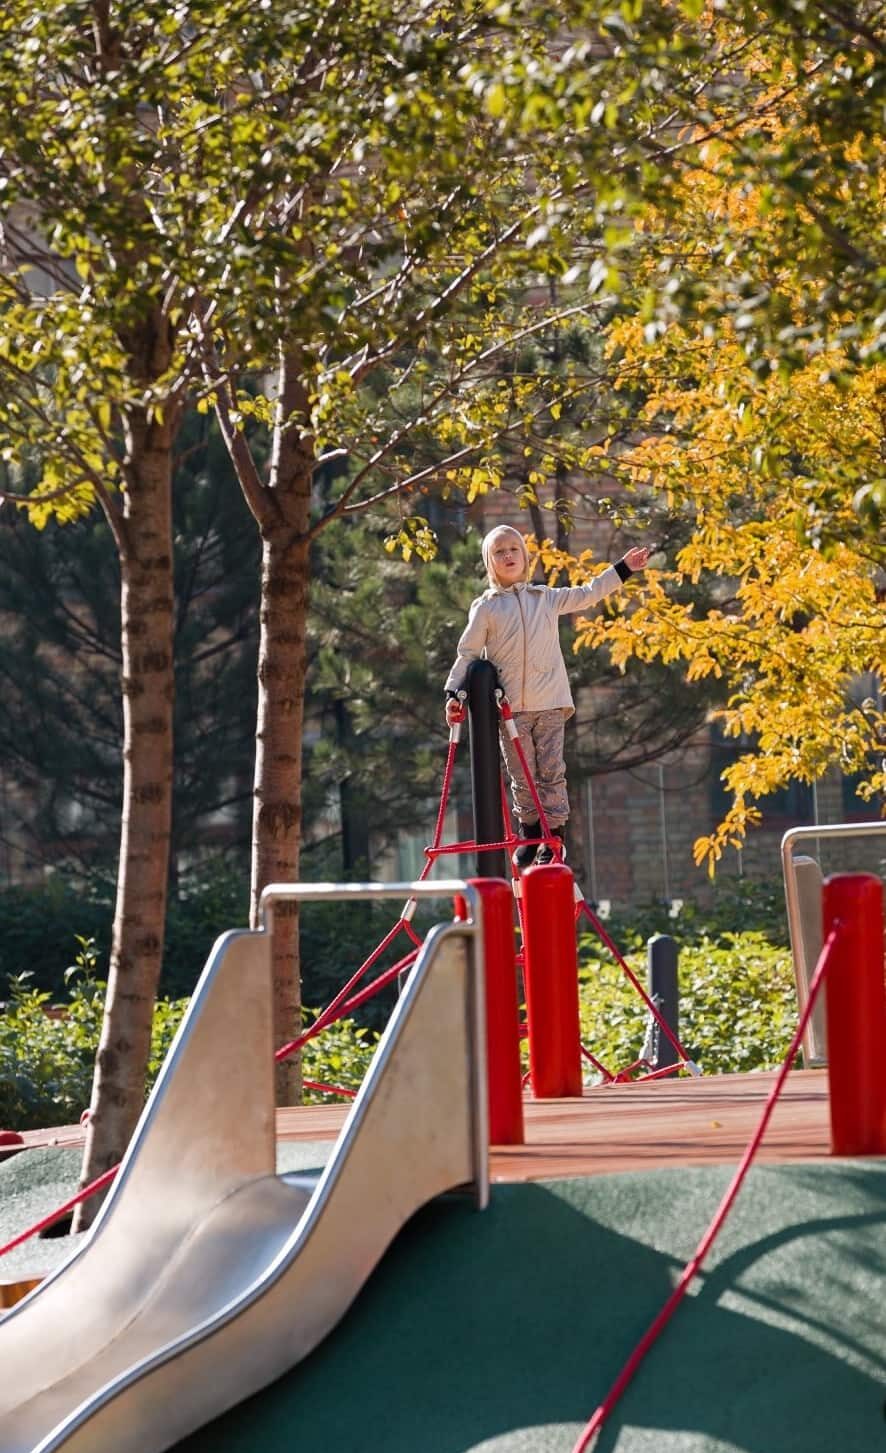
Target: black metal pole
[664, 990]
[482, 682]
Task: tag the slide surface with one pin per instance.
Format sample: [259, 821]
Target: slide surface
[207, 1275]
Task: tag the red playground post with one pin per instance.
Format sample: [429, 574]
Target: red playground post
[856, 1014]
[502, 1015]
[551, 978]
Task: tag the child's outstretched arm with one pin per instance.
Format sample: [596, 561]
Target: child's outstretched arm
[571, 599]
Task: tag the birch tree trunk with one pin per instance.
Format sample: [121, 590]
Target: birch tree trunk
[281, 507]
[148, 687]
[277, 807]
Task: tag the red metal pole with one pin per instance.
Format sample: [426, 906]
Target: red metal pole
[856, 1014]
[551, 976]
[502, 1017]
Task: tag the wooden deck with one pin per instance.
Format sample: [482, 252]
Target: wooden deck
[627, 1127]
[706, 1121]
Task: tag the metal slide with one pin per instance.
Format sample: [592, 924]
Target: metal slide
[207, 1275]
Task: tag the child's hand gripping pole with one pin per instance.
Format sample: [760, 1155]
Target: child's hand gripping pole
[455, 714]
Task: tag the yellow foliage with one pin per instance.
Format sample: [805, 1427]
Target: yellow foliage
[765, 464]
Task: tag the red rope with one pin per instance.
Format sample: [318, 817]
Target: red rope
[584, 907]
[444, 798]
[381, 982]
[592, 1059]
[511, 838]
[416, 938]
[593, 1426]
[91, 1190]
[656, 1074]
[471, 847]
[626, 1076]
[508, 715]
[330, 1014]
[329, 1089]
[347, 1007]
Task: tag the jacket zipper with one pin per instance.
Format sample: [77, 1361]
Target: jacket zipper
[522, 705]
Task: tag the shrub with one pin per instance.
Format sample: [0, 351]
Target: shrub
[339, 1056]
[46, 1060]
[37, 925]
[738, 1006]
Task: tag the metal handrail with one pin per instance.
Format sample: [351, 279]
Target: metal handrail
[797, 834]
[792, 899]
[355, 892]
[440, 888]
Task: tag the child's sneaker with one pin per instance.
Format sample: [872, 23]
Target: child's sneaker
[524, 856]
[546, 853]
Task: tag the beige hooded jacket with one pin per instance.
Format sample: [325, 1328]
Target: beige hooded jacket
[516, 628]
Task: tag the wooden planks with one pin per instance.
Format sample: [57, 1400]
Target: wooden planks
[705, 1121]
[640, 1126]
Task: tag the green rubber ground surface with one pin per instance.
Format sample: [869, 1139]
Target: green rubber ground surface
[36, 1182]
[499, 1332]
[32, 1184]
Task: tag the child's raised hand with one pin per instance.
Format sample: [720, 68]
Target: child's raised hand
[637, 558]
[454, 711]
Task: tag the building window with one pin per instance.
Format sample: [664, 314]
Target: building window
[855, 807]
[793, 803]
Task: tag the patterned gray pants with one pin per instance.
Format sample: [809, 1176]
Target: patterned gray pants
[541, 737]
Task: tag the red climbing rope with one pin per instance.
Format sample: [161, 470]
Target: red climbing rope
[330, 1089]
[608, 1077]
[593, 1426]
[454, 737]
[331, 1013]
[324, 1020]
[91, 1190]
[507, 717]
[585, 908]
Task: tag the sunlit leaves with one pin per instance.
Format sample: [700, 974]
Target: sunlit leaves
[768, 468]
[413, 537]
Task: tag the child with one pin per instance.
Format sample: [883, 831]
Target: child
[514, 624]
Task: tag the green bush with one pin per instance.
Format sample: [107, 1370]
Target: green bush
[742, 905]
[738, 1005]
[46, 1060]
[338, 1056]
[38, 924]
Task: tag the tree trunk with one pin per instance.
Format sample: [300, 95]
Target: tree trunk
[277, 806]
[137, 943]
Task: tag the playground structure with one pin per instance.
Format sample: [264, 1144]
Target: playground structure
[246, 1269]
[549, 909]
[803, 880]
[181, 1301]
